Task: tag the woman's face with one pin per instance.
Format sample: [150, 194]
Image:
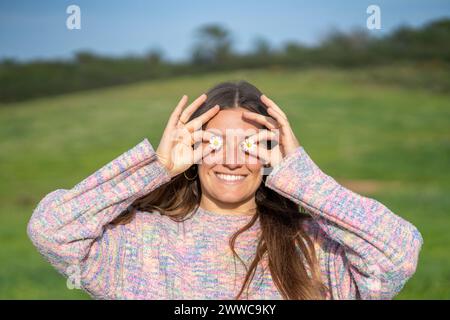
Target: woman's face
[229, 175]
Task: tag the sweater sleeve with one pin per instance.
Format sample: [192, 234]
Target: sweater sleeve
[70, 227]
[366, 251]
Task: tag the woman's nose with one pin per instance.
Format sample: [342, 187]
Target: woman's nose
[234, 157]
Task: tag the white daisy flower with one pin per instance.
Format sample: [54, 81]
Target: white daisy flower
[248, 145]
[215, 142]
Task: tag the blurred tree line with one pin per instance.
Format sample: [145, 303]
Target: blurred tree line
[213, 50]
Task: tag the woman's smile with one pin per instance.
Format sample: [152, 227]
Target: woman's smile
[230, 178]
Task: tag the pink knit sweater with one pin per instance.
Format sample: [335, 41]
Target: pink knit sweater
[365, 251]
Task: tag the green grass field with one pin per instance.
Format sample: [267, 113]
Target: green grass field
[386, 141]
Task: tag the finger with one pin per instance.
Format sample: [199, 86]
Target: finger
[177, 111]
[260, 153]
[261, 119]
[278, 117]
[264, 135]
[198, 122]
[267, 157]
[187, 112]
[201, 152]
[201, 135]
[269, 102]
[275, 155]
[170, 132]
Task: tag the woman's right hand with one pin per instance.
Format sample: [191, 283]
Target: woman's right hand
[175, 150]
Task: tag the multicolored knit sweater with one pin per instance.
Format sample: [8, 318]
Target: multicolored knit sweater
[365, 251]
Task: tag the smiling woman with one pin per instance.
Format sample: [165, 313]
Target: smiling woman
[170, 223]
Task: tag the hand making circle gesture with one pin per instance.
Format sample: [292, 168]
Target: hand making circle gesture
[175, 150]
[278, 129]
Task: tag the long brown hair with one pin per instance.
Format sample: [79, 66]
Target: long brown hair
[290, 251]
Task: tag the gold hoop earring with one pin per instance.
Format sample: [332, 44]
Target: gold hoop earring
[190, 179]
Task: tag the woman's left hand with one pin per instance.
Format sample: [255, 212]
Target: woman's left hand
[279, 129]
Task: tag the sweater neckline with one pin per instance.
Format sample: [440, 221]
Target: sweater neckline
[224, 221]
[231, 216]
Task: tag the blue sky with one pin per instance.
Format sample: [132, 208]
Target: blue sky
[37, 29]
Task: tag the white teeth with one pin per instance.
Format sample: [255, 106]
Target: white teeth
[229, 177]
